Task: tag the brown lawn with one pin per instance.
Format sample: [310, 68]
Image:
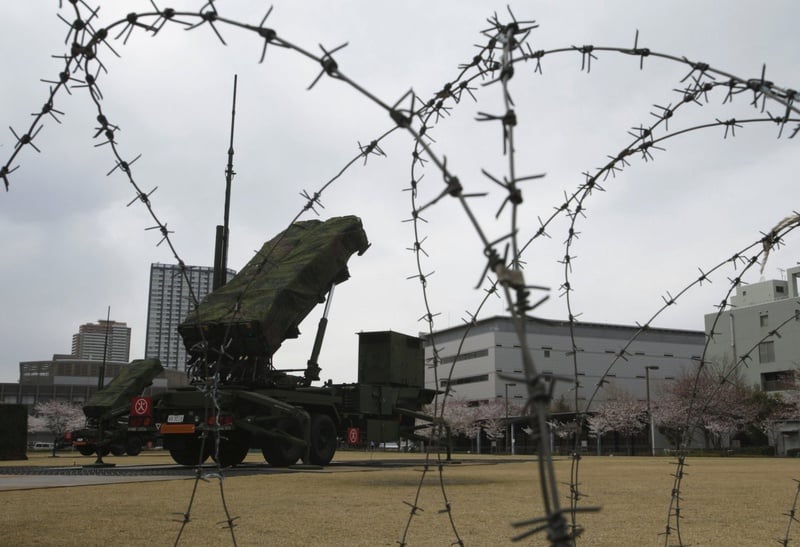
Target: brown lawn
[726, 501]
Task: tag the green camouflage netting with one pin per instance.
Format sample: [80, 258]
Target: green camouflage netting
[264, 304]
[130, 382]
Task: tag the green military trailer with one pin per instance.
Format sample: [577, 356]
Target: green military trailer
[107, 413]
[239, 400]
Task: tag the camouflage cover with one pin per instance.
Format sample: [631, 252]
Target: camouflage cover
[130, 382]
[264, 304]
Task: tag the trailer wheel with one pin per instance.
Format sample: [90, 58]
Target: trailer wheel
[187, 452]
[133, 446]
[323, 439]
[117, 449]
[281, 453]
[232, 451]
[86, 449]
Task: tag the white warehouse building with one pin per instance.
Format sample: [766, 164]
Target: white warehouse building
[491, 349]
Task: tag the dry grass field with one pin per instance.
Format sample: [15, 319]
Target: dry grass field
[727, 501]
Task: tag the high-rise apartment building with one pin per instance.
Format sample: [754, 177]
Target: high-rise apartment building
[168, 304]
[92, 338]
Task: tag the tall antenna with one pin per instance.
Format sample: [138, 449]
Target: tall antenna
[101, 373]
[221, 244]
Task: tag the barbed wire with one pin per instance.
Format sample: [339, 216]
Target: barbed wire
[623, 353]
[698, 406]
[574, 206]
[406, 115]
[792, 514]
[643, 144]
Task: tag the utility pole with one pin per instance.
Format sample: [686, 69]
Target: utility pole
[509, 429]
[101, 381]
[647, 370]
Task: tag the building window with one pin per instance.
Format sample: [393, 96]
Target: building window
[763, 320]
[778, 381]
[766, 352]
[466, 380]
[547, 353]
[779, 289]
[465, 356]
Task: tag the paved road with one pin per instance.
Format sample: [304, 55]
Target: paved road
[31, 482]
[32, 477]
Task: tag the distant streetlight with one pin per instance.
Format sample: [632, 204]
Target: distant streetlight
[647, 370]
[509, 430]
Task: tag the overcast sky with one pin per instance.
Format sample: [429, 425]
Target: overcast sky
[71, 247]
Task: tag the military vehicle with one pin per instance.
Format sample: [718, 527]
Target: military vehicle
[107, 413]
[239, 400]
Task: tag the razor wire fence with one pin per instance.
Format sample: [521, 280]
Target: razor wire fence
[507, 51]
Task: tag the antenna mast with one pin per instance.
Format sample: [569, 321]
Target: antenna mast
[101, 373]
[221, 245]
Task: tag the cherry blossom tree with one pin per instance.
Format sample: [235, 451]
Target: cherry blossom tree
[712, 402]
[671, 414]
[463, 417]
[775, 410]
[459, 416]
[621, 414]
[562, 430]
[492, 417]
[55, 417]
[469, 418]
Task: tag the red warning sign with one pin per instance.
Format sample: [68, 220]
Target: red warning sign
[140, 406]
[353, 435]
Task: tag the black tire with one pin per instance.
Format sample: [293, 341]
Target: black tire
[281, 453]
[232, 451]
[187, 452]
[323, 439]
[86, 449]
[134, 446]
[117, 449]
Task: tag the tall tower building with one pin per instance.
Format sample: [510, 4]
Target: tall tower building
[92, 338]
[169, 302]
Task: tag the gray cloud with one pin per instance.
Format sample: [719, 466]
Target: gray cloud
[71, 247]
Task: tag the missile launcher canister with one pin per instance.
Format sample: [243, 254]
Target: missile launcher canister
[115, 398]
[263, 305]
